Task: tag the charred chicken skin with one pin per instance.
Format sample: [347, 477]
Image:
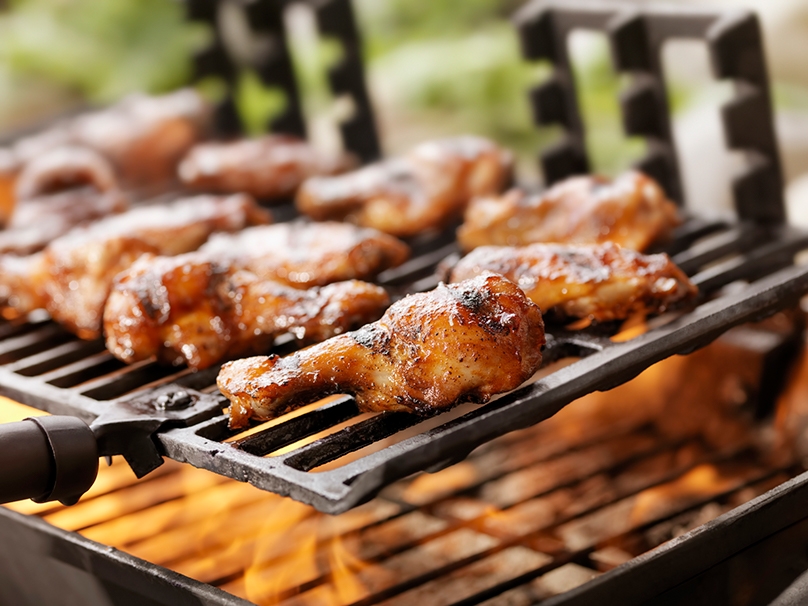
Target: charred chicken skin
[270, 167]
[198, 313]
[56, 192]
[603, 282]
[406, 196]
[632, 211]
[233, 295]
[307, 254]
[72, 276]
[430, 351]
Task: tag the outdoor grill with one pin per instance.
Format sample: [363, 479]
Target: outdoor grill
[437, 532]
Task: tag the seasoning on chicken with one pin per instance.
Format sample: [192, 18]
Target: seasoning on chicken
[144, 137]
[430, 351]
[72, 276]
[425, 190]
[632, 211]
[56, 192]
[270, 168]
[235, 293]
[603, 282]
[182, 310]
[307, 254]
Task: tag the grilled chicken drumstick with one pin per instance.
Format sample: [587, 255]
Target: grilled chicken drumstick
[72, 276]
[424, 190]
[200, 313]
[201, 306]
[632, 210]
[56, 192]
[430, 351]
[269, 167]
[307, 254]
[602, 282]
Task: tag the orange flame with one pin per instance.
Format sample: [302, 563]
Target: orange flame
[631, 328]
[344, 568]
[703, 480]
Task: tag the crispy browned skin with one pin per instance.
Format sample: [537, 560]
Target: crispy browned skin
[308, 254]
[602, 282]
[269, 167]
[185, 311]
[71, 278]
[424, 190]
[143, 136]
[56, 192]
[430, 351]
[632, 210]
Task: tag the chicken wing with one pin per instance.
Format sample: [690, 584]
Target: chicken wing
[143, 136]
[430, 351]
[422, 191]
[602, 282]
[56, 192]
[72, 276]
[632, 210]
[271, 167]
[307, 254]
[186, 311]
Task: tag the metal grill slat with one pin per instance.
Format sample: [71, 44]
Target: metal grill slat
[82, 370]
[29, 343]
[56, 357]
[125, 380]
[713, 248]
[282, 435]
[350, 439]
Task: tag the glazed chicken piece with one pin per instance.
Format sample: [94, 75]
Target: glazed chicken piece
[72, 276]
[9, 168]
[234, 294]
[602, 282]
[423, 191]
[632, 211]
[198, 313]
[270, 168]
[144, 138]
[56, 192]
[430, 351]
[307, 254]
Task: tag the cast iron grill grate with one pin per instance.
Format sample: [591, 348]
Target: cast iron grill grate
[333, 457]
[42, 365]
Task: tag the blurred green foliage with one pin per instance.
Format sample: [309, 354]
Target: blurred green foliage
[100, 49]
[452, 64]
[390, 24]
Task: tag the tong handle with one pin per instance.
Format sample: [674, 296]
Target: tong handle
[47, 459]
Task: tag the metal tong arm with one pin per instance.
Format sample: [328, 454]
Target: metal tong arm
[54, 458]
